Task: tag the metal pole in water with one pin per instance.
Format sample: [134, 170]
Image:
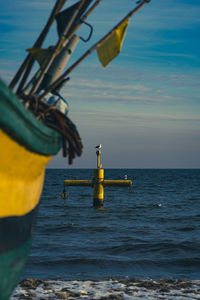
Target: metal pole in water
[98, 188]
[98, 182]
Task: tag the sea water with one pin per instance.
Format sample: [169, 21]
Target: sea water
[153, 232]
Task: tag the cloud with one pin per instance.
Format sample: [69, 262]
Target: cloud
[168, 15]
[145, 88]
[97, 83]
[160, 54]
[127, 118]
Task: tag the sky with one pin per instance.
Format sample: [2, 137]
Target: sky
[144, 108]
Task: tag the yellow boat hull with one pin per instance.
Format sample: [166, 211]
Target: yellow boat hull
[21, 181]
[21, 177]
[26, 147]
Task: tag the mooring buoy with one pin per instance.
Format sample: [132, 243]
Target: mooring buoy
[98, 182]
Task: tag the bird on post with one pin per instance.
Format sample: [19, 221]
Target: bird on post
[98, 147]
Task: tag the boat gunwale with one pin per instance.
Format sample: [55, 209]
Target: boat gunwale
[21, 125]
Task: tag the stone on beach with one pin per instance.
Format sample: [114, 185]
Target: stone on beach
[111, 289]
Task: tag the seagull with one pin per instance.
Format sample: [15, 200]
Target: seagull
[98, 147]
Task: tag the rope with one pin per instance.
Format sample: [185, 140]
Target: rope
[51, 117]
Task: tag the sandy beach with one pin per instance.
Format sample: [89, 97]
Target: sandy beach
[118, 289]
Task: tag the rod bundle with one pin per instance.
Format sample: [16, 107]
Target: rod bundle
[43, 82]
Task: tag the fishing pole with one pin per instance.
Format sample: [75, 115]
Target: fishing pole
[29, 60]
[58, 47]
[70, 69]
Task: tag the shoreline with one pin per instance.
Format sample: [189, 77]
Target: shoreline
[111, 289]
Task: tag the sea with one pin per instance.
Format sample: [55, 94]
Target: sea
[151, 233]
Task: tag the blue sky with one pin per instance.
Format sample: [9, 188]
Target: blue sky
[145, 106]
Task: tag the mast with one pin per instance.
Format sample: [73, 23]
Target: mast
[28, 62]
[94, 47]
[68, 21]
[63, 40]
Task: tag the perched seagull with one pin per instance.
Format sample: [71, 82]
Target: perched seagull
[99, 146]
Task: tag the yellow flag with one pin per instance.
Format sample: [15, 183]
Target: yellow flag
[111, 47]
[41, 55]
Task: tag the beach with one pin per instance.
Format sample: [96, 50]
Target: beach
[111, 289]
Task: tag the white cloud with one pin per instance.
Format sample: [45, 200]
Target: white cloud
[98, 84]
[168, 15]
[143, 118]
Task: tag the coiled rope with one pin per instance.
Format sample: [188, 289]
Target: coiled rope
[51, 117]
